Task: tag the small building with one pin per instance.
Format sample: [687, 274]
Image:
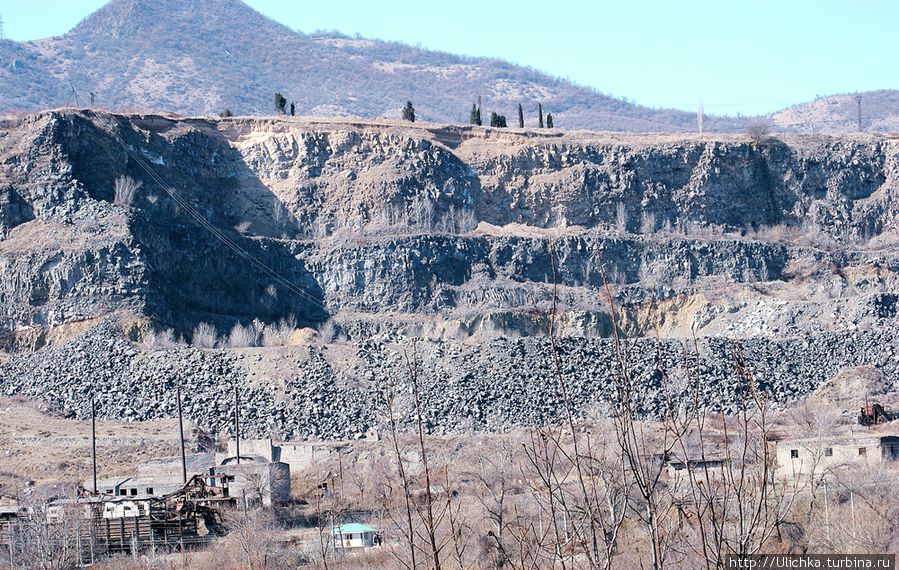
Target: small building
[123, 508]
[703, 466]
[698, 467]
[125, 486]
[355, 535]
[255, 479]
[802, 458]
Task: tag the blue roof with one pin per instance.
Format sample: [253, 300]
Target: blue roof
[350, 528]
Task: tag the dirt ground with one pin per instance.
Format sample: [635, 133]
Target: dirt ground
[36, 447]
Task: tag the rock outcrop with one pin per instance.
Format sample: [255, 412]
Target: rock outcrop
[454, 235]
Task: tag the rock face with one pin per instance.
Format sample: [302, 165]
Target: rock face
[375, 234]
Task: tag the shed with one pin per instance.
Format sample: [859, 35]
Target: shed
[355, 535]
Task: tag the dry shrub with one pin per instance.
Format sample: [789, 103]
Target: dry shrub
[331, 331]
[801, 268]
[621, 218]
[242, 336]
[126, 190]
[161, 339]
[250, 542]
[204, 336]
[773, 234]
[279, 333]
[647, 222]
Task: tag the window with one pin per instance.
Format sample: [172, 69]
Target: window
[862, 450]
[134, 491]
[149, 490]
[794, 454]
[828, 452]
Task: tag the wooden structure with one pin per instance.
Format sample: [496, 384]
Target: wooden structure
[101, 525]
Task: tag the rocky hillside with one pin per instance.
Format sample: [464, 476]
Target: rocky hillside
[372, 234]
[202, 56]
[878, 111]
[199, 57]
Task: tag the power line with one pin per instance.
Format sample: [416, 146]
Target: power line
[203, 222]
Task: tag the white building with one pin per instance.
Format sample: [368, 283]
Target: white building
[355, 535]
[799, 459]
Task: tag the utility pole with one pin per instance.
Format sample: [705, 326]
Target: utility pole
[237, 422]
[700, 115]
[858, 103]
[181, 434]
[2, 34]
[94, 441]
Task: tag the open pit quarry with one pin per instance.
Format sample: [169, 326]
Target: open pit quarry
[385, 243]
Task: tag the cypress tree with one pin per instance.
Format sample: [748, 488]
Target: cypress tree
[473, 118]
[293, 108]
[549, 121]
[540, 115]
[480, 122]
[280, 103]
[520, 117]
[497, 120]
[409, 112]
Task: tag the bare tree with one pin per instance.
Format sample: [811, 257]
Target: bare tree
[589, 492]
[495, 477]
[251, 532]
[642, 447]
[431, 521]
[737, 506]
[54, 532]
[263, 485]
[407, 527]
[421, 213]
[161, 339]
[758, 130]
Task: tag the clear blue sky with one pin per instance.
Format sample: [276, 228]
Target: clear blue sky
[747, 57]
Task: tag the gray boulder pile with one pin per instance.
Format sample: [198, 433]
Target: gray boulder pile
[493, 386]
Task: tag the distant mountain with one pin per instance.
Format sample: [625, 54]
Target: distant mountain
[203, 56]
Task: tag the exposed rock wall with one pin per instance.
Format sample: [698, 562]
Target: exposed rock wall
[437, 233]
[395, 206]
